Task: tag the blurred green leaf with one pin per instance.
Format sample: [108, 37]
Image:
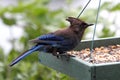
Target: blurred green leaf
[8, 21]
[116, 7]
[2, 55]
[106, 5]
[106, 32]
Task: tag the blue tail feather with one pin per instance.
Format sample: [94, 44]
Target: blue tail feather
[26, 53]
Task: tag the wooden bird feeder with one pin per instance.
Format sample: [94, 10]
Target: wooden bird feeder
[82, 70]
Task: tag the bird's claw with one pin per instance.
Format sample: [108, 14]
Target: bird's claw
[65, 55]
[61, 54]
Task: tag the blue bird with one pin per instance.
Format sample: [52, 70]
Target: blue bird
[59, 41]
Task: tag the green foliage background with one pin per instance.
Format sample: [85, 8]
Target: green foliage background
[39, 19]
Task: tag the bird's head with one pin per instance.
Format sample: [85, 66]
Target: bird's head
[77, 24]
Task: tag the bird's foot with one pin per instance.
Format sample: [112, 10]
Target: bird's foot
[65, 55]
[55, 53]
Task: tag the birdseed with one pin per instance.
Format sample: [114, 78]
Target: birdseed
[99, 54]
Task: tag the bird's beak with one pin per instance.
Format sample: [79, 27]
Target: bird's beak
[90, 24]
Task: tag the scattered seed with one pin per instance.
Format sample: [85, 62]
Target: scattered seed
[99, 54]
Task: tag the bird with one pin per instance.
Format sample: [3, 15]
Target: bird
[59, 41]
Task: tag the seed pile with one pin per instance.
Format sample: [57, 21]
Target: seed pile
[99, 54]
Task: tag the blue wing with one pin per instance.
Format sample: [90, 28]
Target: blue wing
[55, 41]
[48, 39]
[51, 37]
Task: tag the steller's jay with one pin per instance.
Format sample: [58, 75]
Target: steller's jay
[59, 41]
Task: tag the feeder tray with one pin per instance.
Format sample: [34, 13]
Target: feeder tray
[82, 70]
